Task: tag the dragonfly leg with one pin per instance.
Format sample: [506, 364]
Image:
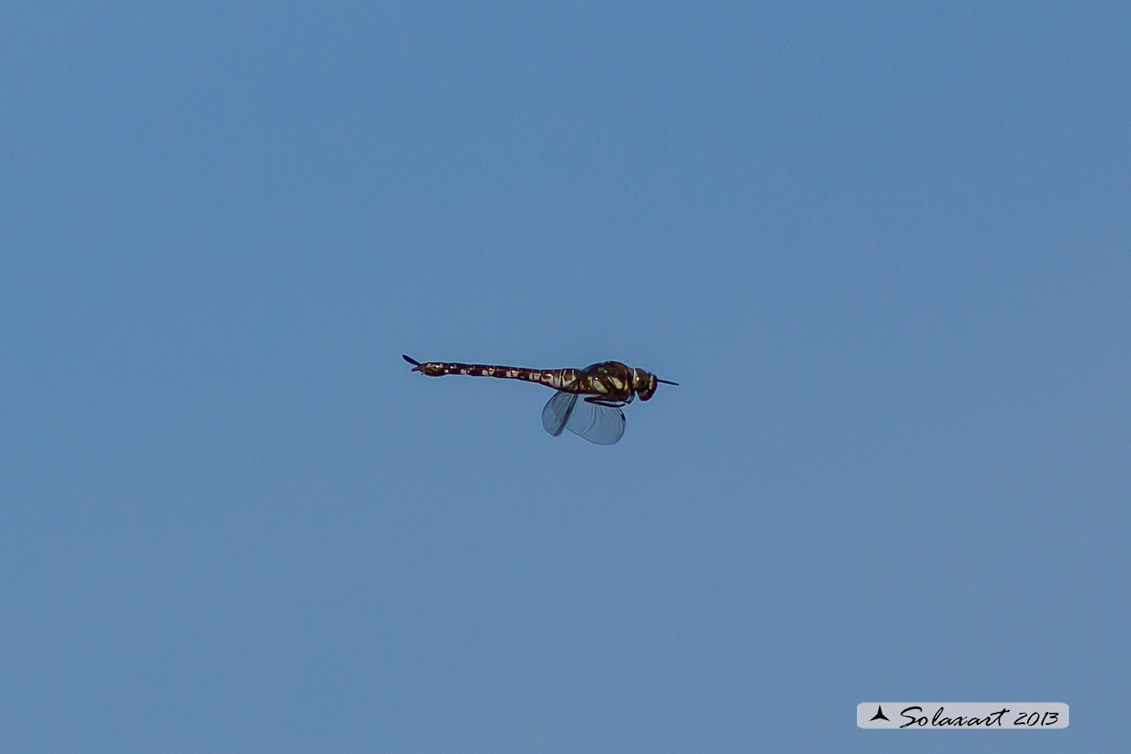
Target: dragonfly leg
[601, 402]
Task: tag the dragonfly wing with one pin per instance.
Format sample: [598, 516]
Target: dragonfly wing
[558, 411]
[596, 422]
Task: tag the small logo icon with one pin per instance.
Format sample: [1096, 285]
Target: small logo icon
[879, 714]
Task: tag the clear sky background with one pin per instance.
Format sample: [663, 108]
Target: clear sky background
[886, 251]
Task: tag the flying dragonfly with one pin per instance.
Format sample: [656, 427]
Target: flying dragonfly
[588, 401]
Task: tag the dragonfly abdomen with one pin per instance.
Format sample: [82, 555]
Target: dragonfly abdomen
[554, 378]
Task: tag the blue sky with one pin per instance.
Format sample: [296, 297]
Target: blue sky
[883, 249]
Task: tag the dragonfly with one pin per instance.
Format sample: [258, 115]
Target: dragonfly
[587, 401]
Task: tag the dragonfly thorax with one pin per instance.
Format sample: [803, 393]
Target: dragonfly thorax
[615, 381]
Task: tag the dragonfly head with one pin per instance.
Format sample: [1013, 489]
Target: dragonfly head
[644, 383]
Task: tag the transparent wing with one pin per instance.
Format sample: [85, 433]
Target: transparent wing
[597, 423]
[557, 412]
[603, 425]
